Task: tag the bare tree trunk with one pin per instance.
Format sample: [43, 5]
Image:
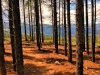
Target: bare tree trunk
[24, 20]
[18, 39]
[41, 21]
[93, 33]
[37, 24]
[62, 23]
[69, 32]
[11, 26]
[53, 21]
[29, 18]
[65, 37]
[59, 24]
[79, 36]
[87, 35]
[2, 61]
[55, 26]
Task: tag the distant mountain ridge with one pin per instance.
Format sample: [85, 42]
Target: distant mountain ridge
[48, 29]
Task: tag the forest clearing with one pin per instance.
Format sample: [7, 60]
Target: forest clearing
[47, 62]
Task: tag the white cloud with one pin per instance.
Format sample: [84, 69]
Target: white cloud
[46, 11]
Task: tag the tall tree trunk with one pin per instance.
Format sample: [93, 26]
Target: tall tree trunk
[32, 38]
[59, 24]
[62, 23]
[29, 18]
[37, 24]
[24, 20]
[18, 39]
[2, 61]
[83, 34]
[87, 35]
[41, 22]
[93, 39]
[65, 37]
[69, 32]
[79, 36]
[53, 21]
[55, 26]
[11, 26]
[95, 26]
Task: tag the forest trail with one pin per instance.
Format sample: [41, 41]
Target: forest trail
[47, 62]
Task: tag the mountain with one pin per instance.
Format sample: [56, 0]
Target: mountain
[48, 29]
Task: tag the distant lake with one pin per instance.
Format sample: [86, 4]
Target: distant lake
[48, 29]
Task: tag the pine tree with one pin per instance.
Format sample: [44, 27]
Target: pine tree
[79, 36]
[2, 61]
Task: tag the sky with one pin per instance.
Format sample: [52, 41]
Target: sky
[46, 11]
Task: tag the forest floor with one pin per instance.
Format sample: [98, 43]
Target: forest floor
[47, 62]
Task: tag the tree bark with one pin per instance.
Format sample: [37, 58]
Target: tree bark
[93, 31]
[79, 36]
[55, 26]
[65, 37]
[18, 39]
[24, 20]
[12, 33]
[37, 24]
[69, 32]
[42, 34]
[59, 24]
[87, 35]
[2, 61]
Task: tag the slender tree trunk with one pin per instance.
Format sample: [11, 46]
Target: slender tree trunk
[2, 61]
[69, 32]
[53, 21]
[83, 35]
[34, 27]
[24, 20]
[11, 26]
[32, 38]
[37, 24]
[94, 31]
[62, 23]
[87, 35]
[29, 18]
[41, 22]
[93, 39]
[18, 39]
[65, 37]
[59, 23]
[55, 26]
[79, 36]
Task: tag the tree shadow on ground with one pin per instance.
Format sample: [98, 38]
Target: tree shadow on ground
[24, 56]
[31, 69]
[61, 51]
[66, 73]
[97, 52]
[73, 51]
[97, 60]
[89, 57]
[42, 51]
[94, 68]
[8, 54]
[28, 45]
[28, 57]
[9, 67]
[47, 44]
[55, 60]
